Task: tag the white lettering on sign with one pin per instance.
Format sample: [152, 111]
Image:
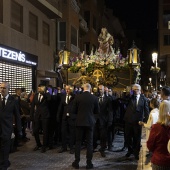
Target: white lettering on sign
[30, 62]
[5, 53]
[12, 55]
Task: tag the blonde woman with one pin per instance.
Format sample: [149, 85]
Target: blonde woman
[159, 137]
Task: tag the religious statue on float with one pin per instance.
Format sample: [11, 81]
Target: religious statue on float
[106, 41]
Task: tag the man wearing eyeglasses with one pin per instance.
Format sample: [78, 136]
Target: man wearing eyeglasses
[8, 110]
[137, 110]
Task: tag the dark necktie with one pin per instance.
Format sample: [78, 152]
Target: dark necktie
[3, 102]
[135, 101]
[39, 99]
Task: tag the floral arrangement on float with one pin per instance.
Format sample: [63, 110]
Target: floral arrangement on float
[104, 57]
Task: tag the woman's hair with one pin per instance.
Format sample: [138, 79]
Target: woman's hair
[155, 102]
[164, 109]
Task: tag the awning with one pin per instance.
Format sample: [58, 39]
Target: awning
[43, 73]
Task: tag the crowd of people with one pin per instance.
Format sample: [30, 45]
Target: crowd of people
[72, 117]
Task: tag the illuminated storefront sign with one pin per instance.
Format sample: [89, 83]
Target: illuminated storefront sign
[16, 56]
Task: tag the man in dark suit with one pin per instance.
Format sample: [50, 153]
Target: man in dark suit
[67, 119]
[105, 120]
[9, 111]
[18, 98]
[53, 125]
[85, 106]
[137, 110]
[40, 115]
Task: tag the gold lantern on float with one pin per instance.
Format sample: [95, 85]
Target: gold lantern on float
[64, 61]
[134, 63]
[64, 57]
[133, 56]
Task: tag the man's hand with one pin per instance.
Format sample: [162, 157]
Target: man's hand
[141, 123]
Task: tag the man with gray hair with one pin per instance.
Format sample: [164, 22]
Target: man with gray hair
[85, 106]
[9, 109]
[137, 110]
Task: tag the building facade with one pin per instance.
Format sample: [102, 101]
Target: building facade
[27, 30]
[164, 40]
[40, 29]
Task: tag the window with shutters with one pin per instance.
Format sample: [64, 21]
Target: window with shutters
[166, 17]
[94, 23]
[87, 18]
[73, 36]
[16, 16]
[61, 36]
[62, 31]
[33, 26]
[46, 33]
[166, 40]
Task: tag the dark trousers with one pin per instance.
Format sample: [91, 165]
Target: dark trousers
[44, 123]
[110, 136]
[88, 131]
[4, 153]
[133, 137]
[96, 135]
[53, 134]
[24, 126]
[68, 133]
[103, 137]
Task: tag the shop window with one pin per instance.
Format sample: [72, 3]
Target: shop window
[166, 40]
[19, 76]
[33, 26]
[1, 11]
[16, 16]
[73, 36]
[46, 33]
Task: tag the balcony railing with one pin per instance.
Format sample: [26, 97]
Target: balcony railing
[83, 23]
[75, 6]
[74, 48]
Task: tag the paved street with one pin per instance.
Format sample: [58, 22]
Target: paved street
[27, 159]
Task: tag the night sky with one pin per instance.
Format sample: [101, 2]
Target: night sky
[142, 16]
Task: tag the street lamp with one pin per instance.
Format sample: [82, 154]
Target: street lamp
[150, 83]
[155, 69]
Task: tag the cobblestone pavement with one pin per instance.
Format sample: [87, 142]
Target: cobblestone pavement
[27, 159]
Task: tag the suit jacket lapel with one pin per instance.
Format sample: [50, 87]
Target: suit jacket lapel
[8, 102]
